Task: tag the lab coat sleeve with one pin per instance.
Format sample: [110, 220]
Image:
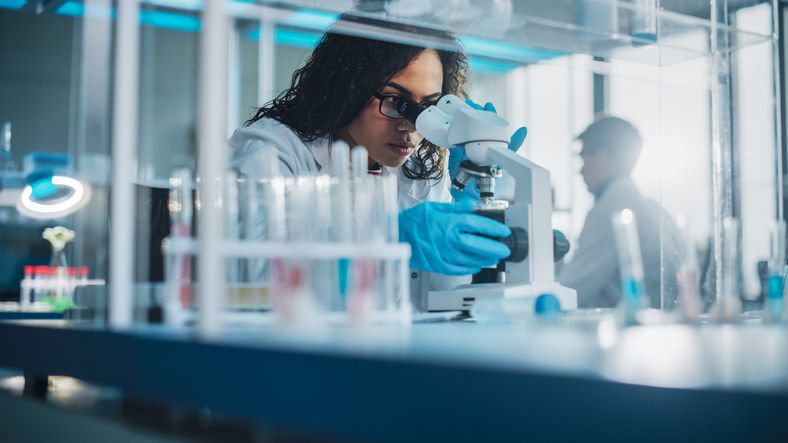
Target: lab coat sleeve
[248, 159]
[595, 262]
[295, 157]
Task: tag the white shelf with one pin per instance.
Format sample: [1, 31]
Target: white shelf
[534, 31]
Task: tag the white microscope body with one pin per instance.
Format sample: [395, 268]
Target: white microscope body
[485, 135]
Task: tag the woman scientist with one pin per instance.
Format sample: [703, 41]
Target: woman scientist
[349, 90]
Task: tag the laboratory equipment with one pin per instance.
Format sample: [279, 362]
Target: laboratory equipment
[41, 285]
[448, 238]
[51, 287]
[49, 190]
[773, 305]
[326, 244]
[60, 294]
[687, 276]
[484, 135]
[342, 217]
[727, 307]
[178, 266]
[643, 25]
[516, 310]
[630, 264]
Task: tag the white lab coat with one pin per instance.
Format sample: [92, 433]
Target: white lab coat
[298, 157]
[593, 270]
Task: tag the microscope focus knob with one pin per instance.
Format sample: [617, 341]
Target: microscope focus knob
[517, 243]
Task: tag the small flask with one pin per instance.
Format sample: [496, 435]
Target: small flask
[58, 237]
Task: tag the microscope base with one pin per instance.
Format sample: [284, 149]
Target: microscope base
[462, 297]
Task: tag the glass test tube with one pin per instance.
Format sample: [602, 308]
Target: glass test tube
[630, 262]
[360, 300]
[687, 275]
[296, 301]
[389, 285]
[342, 219]
[728, 304]
[26, 289]
[773, 305]
[274, 196]
[643, 23]
[231, 221]
[178, 298]
[254, 270]
[323, 275]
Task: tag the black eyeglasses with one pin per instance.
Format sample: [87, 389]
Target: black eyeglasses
[395, 106]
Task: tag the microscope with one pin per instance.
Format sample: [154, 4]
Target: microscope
[528, 271]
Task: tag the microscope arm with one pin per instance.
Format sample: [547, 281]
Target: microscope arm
[532, 209]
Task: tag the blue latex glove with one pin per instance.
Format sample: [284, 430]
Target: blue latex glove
[457, 155]
[442, 240]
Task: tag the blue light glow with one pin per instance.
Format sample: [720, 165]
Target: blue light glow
[288, 37]
[486, 55]
[12, 4]
[296, 38]
[506, 51]
[479, 64]
[191, 5]
[169, 20]
[315, 20]
[74, 9]
[159, 19]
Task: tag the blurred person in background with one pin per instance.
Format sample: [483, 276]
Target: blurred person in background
[610, 149]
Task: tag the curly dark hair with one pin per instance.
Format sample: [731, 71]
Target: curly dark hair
[337, 81]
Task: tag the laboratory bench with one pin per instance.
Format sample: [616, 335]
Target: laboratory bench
[450, 380]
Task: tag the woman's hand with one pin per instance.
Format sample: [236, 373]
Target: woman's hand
[447, 238]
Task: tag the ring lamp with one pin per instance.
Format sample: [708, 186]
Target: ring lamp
[71, 195]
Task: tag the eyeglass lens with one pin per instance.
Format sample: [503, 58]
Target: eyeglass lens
[389, 106]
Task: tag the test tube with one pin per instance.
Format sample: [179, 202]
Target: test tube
[322, 274]
[40, 283]
[254, 230]
[643, 22]
[230, 210]
[361, 194]
[728, 305]
[294, 292]
[773, 306]
[630, 263]
[388, 213]
[687, 275]
[342, 215]
[360, 300]
[340, 170]
[281, 279]
[26, 289]
[178, 298]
